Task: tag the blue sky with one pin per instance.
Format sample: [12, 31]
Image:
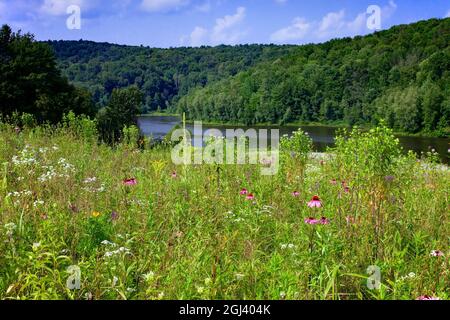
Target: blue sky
[174, 23]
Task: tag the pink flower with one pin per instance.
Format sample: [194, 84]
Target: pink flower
[347, 189]
[425, 297]
[243, 192]
[174, 175]
[250, 196]
[311, 221]
[436, 253]
[315, 202]
[333, 181]
[130, 182]
[295, 194]
[324, 221]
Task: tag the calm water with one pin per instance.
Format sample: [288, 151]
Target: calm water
[159, 126]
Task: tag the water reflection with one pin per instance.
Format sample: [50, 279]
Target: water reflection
[322, 136]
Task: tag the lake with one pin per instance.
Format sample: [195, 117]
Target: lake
[322, 136]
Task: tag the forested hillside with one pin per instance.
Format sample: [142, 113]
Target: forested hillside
[31, 83]
[161, 74]
[401, 75]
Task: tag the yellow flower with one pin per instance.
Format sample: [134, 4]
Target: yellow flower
[96, 214]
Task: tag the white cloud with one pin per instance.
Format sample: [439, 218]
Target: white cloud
[229, 21]
[389, 10]
[298, 30]
[198, 36]
[225, 31]
[59, 7]
[331, 22]
[163, 5]
[447, 15]
[358, 24]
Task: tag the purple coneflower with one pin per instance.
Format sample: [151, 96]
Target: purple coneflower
[315, 202]
[324, 221]
[250, 196]
[436, 253]
[347, 189]
[425, 297]
[333, 181]
[174, 175]
[311, 221]
[295, 194]
[244, 192]
[130, 182]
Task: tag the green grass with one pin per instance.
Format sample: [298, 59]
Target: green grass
[194, 236]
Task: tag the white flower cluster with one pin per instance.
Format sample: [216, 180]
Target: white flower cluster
[108, 243]
[93, 189]
[114, 252]
[38, 203]
[49, 175]
[118, 251]
[26, 157]
[67, 167]
[20, 194]
[232, 216]
[148, 276]
[408, 276]
[90, 180]
[64, 169]
[287, 246]
[311, 169]
[10, 227]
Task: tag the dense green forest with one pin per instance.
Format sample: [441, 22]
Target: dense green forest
[401, 75]
[163, 75]
[30, 81]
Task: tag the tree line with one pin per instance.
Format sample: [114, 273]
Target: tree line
[163, 75]
[401, 75]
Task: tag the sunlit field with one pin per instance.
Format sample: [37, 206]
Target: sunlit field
[139, 227]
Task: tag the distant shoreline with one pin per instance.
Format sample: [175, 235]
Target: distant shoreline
[294, 124]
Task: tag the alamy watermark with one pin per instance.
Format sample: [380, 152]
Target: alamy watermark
[74, 280]
[73, 22]
[374, 20]
[374, 279]
[235, 147]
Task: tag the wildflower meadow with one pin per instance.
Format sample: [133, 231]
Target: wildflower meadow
[81, 219]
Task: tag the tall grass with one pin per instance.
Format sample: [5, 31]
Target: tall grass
[189, 233]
